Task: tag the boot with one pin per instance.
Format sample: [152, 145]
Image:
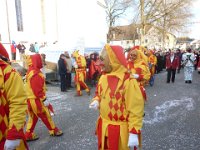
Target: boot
[31, 136]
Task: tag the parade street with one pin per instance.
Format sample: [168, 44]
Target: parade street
[171, 119]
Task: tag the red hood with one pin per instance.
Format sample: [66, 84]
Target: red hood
[36, 61]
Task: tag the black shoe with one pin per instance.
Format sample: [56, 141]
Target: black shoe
[186, 81]
[63, 90]
[168, 82]
[189, 81]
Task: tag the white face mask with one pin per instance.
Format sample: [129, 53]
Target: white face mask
[105, 61]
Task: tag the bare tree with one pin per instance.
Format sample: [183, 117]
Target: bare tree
[167, 15]
[114, 10]
[175, 20]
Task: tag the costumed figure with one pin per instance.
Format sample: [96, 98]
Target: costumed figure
[94, 68]
[152, 66]
[188, 60]
[36, 94]
[13, 106]
[138, 66]
[80, 69]
[120, 102]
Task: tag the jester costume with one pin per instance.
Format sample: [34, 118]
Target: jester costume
[80, 76]
[140, 67]
[152, 66]
[121, 106]
[36, 93]
[12, 103]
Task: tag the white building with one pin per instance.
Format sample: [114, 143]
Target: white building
[66, 21]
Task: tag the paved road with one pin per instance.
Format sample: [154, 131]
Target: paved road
[172, 120]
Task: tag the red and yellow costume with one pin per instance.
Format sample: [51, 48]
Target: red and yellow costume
[140, 67]
[80, 76]
[12, 104]
[36, 93]
[152, 60]
[121, 105]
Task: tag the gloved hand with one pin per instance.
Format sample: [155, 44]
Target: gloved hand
[11, 144]
[75, 66]
[135, 76]
[133, 140]
[94, 105]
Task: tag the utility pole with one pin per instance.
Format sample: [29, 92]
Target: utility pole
[8, 23]
[142, 30]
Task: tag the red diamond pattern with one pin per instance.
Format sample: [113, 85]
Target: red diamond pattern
[122, 108]
[118, 95]
[110, 116]
[3, 127]
[121, 118]
[111, 104]
[115, 117]
[116, 107]
[2, 112]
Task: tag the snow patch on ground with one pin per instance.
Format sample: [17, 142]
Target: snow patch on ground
[169, 109]
[56, 100]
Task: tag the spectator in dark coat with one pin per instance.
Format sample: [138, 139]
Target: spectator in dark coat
[62, 72]
[179, 55]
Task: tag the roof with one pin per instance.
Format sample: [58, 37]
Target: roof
[128, 32]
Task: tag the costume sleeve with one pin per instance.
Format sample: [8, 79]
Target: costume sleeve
[155, 60]
[135, 106]
[37, 85]
[98, 91]
[143, 72]
[16, 97]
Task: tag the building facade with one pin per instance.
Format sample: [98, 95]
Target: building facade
[66, 21]
[129, 36]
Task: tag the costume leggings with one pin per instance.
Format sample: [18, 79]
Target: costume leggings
[80, 77]
[37, 109]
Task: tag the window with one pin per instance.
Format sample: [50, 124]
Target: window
[146, 40]
[18, 9]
